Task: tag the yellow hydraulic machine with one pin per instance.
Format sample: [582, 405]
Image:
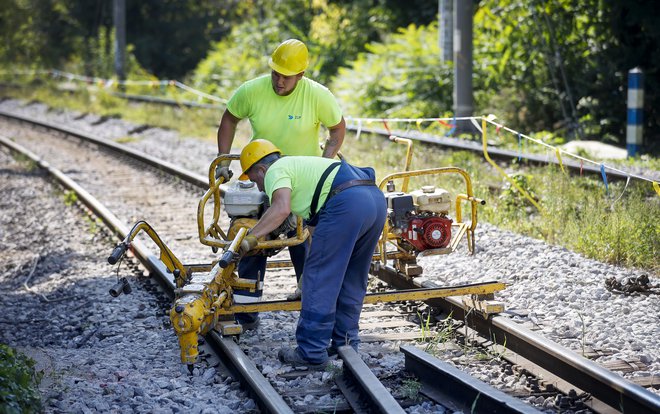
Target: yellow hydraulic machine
[418, 224]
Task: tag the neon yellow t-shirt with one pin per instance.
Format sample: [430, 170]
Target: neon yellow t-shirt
[290, 122]
[300, 174]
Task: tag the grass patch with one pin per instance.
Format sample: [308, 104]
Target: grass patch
[126, 140]
[94, 225]
[70, 198]
[28, 163]
[18, 383]
[619, 228]
[410, 388]
[443, 332]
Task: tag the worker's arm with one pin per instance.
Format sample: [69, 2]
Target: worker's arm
[335, 139]
[279, 210]
[226, 132]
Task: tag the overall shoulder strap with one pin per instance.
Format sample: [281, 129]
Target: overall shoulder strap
[319, 186]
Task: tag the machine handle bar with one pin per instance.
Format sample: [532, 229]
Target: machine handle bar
[117, 253]
[227, 257]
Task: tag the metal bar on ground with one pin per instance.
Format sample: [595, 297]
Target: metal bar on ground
[371, 387]
[449, 385]
[495, 153]
[604, 385]
[268, 400]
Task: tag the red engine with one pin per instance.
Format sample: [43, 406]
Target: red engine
[425, 233]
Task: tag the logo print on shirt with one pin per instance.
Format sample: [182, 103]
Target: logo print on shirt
[295, 117]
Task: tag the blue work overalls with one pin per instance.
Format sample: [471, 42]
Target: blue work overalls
[336, 269]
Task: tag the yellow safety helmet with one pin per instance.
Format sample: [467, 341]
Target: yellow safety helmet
[253, 152]
[290, 58]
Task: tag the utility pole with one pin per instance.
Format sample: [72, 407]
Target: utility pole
[119, 17]
[446, 30]
[463, 101]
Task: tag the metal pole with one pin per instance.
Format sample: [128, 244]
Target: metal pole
[635, 111]
[463, 105]
[446, 29]
[119, 16]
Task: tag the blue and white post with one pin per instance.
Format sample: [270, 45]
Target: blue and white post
[635, 111]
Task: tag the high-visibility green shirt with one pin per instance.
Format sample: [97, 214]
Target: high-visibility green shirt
[300, 174]
[290, 122]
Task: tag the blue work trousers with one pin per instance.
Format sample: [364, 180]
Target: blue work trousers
[337, 266]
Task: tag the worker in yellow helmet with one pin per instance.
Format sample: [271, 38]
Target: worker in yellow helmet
[347, 211]
[288, 109]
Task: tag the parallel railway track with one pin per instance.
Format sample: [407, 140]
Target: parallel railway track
[443, 141]
[612, 390]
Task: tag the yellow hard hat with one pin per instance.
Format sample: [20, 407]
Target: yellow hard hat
[253, 152]
[290, 58]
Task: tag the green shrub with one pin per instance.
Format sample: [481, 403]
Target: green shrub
[511, 198]
[18, 383]
[401, 78]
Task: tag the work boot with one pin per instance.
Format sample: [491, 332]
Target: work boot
[292, 357]
[332, 351]
[296, 295]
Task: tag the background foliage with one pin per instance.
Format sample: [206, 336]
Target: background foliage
[402, 78]
[558, 65]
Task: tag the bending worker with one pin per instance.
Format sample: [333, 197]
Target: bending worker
[288, 108]
[348, 212]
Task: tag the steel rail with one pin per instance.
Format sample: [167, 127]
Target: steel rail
[449, 142]
[458, 390]
[257, 385]
[242, 367]
[164, 101]
[167, 167]
[498, 153]
[603, 385]
[370, 395]
[151, 261]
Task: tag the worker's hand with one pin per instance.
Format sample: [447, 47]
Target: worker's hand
[249, 242]
[222, 170]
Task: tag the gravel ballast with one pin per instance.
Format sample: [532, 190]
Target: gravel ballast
[563, 294]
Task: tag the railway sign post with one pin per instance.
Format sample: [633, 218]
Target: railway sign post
[635, 111]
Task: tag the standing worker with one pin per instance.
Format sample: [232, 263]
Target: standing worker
[287, 108]
[348, 212]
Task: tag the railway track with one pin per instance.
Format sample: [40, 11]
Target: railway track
[452, 143]
[231, 354]
[76, 154]
[120, 179]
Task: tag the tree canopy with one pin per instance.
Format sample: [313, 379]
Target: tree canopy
[558, 66]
